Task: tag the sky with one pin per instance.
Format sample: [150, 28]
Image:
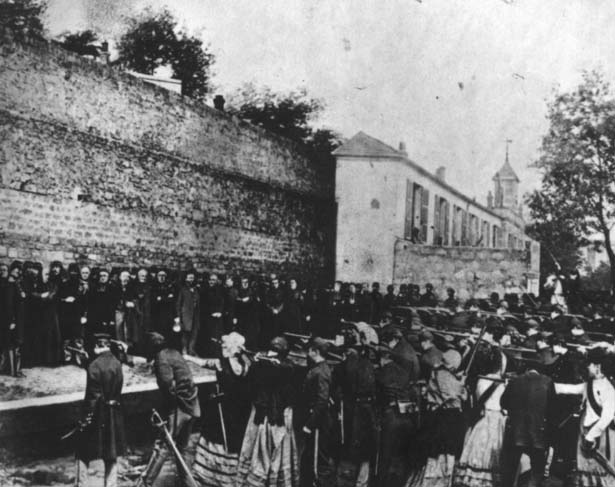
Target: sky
[452, 79]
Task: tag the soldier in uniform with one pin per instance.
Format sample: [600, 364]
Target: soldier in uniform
[399, 407]
[247, 312]
[101, 309]
[318, 426]
[431, 356]
[180, 406]
[101, 434]
[429, 299]
[212, 310]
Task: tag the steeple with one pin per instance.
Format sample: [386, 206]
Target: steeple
[506, 184]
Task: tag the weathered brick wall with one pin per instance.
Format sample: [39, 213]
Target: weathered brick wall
[165, 181]
[471, 271]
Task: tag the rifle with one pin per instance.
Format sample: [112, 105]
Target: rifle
[221, 414]
[80, 428]
[473, 353]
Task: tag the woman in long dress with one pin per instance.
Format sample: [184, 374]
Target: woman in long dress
[479, 464]
[225, 417]
[596, 436]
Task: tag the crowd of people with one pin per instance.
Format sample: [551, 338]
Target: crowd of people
[409, 389]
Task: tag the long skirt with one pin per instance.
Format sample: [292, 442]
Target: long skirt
[480, 461]
[437, 472]
[269, 456]
[589, 472]
[213, 465]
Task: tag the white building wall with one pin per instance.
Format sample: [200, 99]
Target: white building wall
[366, 233]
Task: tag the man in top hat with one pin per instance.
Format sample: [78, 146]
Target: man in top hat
[180, 405]
[318, 426]
[101, 431]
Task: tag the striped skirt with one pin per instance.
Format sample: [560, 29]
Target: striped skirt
[213, 466]
[269, 456]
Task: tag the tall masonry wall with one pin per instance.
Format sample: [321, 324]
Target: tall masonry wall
[99, 167]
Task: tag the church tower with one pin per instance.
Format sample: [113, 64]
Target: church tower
[506, 185]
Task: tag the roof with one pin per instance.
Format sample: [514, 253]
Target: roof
[507, 172]
[363, 145]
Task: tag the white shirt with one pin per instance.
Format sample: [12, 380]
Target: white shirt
[604, 393]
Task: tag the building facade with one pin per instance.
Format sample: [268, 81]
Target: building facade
[389, 205]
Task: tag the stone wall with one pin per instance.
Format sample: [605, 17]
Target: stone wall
[97, 166]
[471, 271]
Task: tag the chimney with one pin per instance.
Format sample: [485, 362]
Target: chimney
[441, 173]
[402, 148]
[219, 102]
[489, 200]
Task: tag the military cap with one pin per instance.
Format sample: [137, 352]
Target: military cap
[279, 345]
[426, 335]
[319, 344]
[596, 356]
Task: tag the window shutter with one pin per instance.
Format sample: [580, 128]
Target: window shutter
[424, 215]
[445, 208]
[464, 228]
[436, 220]
[408, 219]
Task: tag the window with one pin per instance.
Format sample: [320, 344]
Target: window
[417, 212]
[440, 221]
[496, 237]
[473, 230]
[458, 226]
[484, 237]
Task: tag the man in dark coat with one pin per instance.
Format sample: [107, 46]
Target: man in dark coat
[318, 427]
[376, 303]
[11, 318]
[180, 406]
[230, 303]
[163, 304]
[398, 401]
[431, 355]
[187, 312]
[101, 309]
[529, 400]
[74, 298]
[274, 303]
[247, 313]
[101, 434]
[212, 310]
[429, 299]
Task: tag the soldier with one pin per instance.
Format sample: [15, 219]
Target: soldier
[316, 461]
[101, 432]
[74, 297]
[390, 299]
[429, 299]
[358, 387]
[180, 406]
[142, 291]
[399, 407]
[376, 304]
[451, 301]
[126, 323]
[187, 313]
[293, 308]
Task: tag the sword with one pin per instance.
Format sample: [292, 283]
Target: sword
[221, 414]
[158, 422]
[315, 483]
[342, 418]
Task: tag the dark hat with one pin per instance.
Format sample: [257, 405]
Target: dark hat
[390, 332]
[279, 345]
[319, 344]
[596, 356]
[16, 264]
[102, 339]
[425, 335]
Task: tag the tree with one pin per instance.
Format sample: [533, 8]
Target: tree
[289, 115]
[153, 40]
[577, 161]
[23, 18]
